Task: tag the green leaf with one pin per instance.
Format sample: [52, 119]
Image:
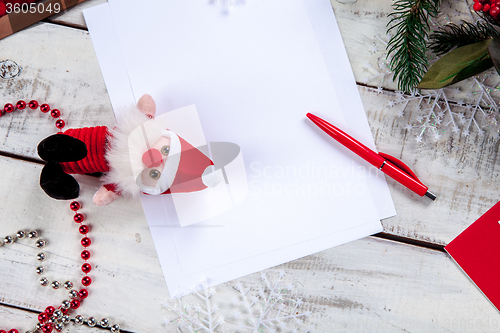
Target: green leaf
[459, 64]
[474, 69]
[494, 50]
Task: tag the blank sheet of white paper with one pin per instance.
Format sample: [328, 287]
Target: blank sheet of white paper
[253, 76]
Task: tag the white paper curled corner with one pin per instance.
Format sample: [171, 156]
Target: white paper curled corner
[202, 205]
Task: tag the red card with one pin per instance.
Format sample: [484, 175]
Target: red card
[477, 251]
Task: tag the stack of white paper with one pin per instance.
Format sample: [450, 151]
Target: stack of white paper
[253, 74]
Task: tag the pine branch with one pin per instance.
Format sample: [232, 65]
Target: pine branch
[407, 47]
[452, 36]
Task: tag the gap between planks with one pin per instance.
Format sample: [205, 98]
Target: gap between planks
[410, 241]
[65, 24]
[22, 158]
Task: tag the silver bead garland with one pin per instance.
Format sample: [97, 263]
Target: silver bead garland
[65, 304]
[41, 256]
[78, 320]
[104, 322]
[58, 314]
[65, 319]
[44, 281]
[40, 243]
[68, 285]
[73, 294]
[58, 319]
[91, 321]
[8, 240]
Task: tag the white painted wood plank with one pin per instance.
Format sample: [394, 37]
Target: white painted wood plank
[374, 285]
[58, 66]
[73, 17]
[462, 171]
[359, 22]
[357, 286]
[126, 272]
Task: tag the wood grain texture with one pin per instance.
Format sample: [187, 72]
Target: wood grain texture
[370, 285]
[364, 286]
[374, 285]
[59, 68]
[462, 171]
[359, 22]
[125, 270]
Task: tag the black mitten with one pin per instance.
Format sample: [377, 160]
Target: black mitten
[61, 148]
[57, 184]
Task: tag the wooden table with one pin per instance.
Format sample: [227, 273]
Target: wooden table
[397, 281]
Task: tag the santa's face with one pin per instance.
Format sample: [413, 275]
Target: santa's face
[154, 161]
[159, 164]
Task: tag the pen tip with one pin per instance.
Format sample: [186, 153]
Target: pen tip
[312, 117]
[430, 195]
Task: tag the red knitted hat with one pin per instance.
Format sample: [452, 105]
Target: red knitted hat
[192, 165]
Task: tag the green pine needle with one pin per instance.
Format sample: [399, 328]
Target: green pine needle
[410, 20]
[452, 36]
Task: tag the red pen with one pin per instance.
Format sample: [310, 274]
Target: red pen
[388, 164]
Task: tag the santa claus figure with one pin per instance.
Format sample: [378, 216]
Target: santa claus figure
[138, 156]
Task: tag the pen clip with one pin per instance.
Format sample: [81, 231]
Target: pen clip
[403, 167]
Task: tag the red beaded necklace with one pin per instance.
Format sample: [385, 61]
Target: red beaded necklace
[54, 318]
[21, 105]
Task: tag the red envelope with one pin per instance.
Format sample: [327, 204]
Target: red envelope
[477, 251]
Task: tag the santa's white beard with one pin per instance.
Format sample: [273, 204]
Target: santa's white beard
[124, 157]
